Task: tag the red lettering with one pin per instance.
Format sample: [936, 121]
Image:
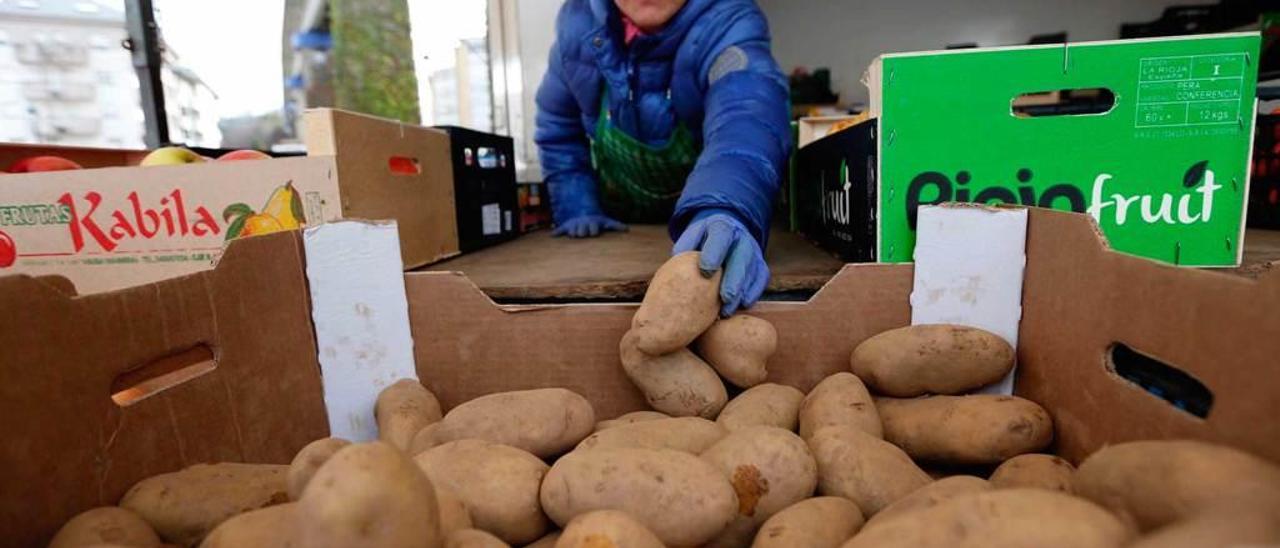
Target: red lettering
[141, 217]
[205, 223]
[182, 211]
[86, 223]
[121, 228]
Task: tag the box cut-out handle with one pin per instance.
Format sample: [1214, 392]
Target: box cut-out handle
[1063, 102]
[404, 165]
[161, 374]
[1164, 381]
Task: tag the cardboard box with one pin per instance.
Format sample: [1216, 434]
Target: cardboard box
[484, 187]
[1165, 171]
[70, 446]
[835, 192]
[116, 227]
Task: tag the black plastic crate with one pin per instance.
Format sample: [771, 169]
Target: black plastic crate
[1264, 185]
[484, 185]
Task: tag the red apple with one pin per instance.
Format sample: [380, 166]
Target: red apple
[8, 251]
[244, 154]
[42, 163]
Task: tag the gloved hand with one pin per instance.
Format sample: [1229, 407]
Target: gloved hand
[587, 226]
[726, 243]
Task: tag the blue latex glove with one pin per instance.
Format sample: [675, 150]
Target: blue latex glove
[725, 243]
[587, 226]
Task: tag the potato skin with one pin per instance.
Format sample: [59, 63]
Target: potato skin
[999, 518]
[498, 484]
[931, 359]
[1035, 470]
[454, 515]
[473, 538]
[629, 418]
[105, 525]
[678, 306]
[424, 439]
[402, 410]
[696, 501]
[765, 404]
[679, 384]
[184, 506]
[274, 526]
[689, 434]
[548, 541]
[545, 422]
[932, 495]
[308, 460]
[369, 495]
[1241, 527]
[739, 348]
[839, 400]
[819, 522]
[1156, 483]
[865, 469]
[770, 469]
[977, 429]
[607, 528]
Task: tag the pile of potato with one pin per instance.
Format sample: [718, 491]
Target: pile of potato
[873, 457]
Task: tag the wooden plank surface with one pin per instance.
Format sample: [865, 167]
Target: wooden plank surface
[616, 265]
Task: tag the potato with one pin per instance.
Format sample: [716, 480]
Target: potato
[369, 495]
[681, 498]
[770, 469]
[931, 359]
[688, 434]
[766, 404]
[678, 306]
[1241, 527]
[274, 526]
[473, 538]
[548, 541]
[679, 384]
[739, 348]
[1035, 470]
[839, 400]
[932, 495]
[454, 515]
[105, 525]
[498, 484]
[1159, 482]
[307, 461]
[978, 429]
[820, 522]
[404, 409]
[545, 422]
[424, 439]
[629, 418]
[863, 468]
[999, 518]
[607, 529]
[182, 507]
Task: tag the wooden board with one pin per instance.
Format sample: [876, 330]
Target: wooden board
[616, 265]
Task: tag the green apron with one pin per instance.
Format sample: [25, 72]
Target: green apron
[640, 183]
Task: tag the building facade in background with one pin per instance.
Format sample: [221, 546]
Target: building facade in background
[461, 94]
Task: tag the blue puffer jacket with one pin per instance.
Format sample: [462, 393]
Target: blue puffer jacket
[710, 68]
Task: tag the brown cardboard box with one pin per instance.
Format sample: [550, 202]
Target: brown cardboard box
[70, 446]
[117, 227]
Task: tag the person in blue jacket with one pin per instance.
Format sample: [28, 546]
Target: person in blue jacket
[668, 111]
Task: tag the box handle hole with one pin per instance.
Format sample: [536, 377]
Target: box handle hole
[1063, 102]
[162, 374]
[404, 165]
[1173, 385]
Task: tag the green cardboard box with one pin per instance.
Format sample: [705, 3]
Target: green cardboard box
[1164, 171]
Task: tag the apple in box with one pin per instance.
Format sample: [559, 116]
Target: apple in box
[36, 164]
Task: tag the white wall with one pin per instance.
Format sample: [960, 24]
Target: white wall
[845, 35]
[536, 28]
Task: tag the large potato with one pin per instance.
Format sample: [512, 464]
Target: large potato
[839, 400]
[932, 495]
[424, 439]
[308, 460]
[369, 495]
[766, 404]
[404, 409]
[978, 429]
[607, 529]
[105, 525]
[770, 469]
[679, 305]
[454, 515]
[679, 384]
[819, 522]
[1237, 527]
[681, 498]
[1003, 518]
[498, 484]
[182, 507]
[1035, 470]
[688, 434]
[739, 348]
[473, 538]
[629, 418]
[931, 359]
[274, 526]
[545, 422]
[863, 468]
[1159, 482]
